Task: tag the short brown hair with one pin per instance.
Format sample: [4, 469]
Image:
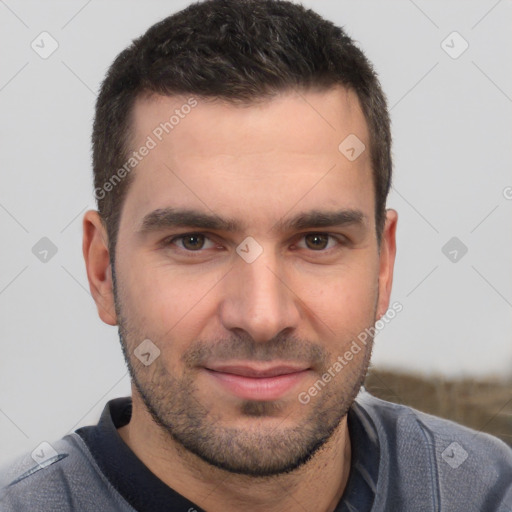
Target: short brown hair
[239, 51]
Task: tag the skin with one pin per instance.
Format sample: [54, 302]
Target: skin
[302, 300]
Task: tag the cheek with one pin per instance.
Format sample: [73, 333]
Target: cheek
[344, 298]
[165, 300]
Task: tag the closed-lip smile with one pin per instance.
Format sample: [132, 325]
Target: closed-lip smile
[252, 381]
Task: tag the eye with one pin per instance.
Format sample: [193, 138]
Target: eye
[320, 241]
[192, 242]
[198, 242]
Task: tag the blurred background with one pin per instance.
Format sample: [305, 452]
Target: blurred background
[443, 67]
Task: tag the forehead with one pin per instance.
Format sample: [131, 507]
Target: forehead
[319, 120]
[219, 156]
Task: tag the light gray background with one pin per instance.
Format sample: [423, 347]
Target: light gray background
[452, 129]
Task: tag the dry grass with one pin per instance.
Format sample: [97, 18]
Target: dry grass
[482, 405]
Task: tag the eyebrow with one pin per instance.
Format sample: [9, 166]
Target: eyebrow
[165, 218]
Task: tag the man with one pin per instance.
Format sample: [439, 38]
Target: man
[241, 153]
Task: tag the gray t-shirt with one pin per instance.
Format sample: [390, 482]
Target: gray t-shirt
[402, 460]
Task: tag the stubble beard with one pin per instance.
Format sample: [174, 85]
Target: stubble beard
[261, 450]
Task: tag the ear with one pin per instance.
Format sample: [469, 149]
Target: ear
[387, 261]
[97, 263]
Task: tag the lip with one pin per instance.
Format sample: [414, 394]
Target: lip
[257, 383]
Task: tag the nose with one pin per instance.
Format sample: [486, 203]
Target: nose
[259, 298]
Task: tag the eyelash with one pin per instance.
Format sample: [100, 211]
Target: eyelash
[341, 241]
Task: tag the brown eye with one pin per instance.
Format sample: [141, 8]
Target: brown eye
[192, 242]
[317, 241]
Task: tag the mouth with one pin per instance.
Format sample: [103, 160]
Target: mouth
[253, 382]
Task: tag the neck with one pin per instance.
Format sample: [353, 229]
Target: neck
[317, 485]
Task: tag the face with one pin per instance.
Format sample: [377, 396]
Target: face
[247, 255]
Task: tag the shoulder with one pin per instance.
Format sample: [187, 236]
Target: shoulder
[401, 420]
[439, 458]
[61, 476]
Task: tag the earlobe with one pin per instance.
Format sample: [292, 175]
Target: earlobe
[387, 261]
[97, 263]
